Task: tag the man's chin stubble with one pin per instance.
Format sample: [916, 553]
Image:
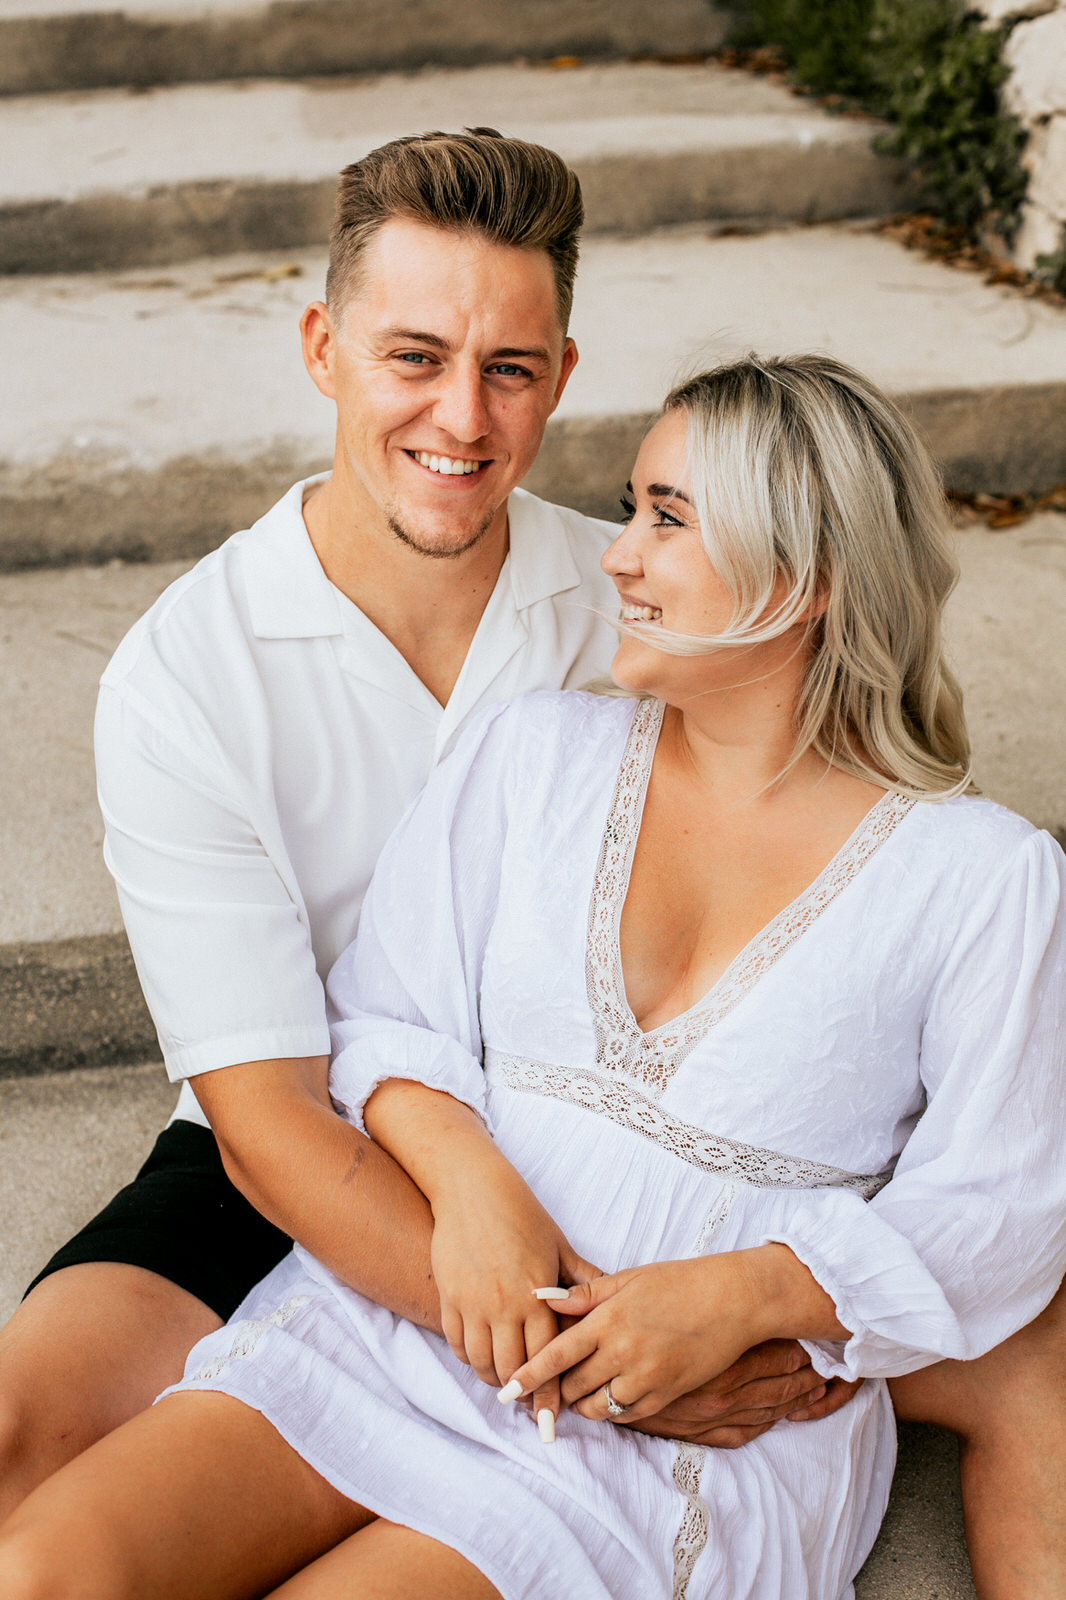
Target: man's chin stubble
[412, 541]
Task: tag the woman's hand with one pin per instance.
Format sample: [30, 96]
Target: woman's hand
[493, 1242]
[493, 1245]
[772, 1382]
[657, 1332]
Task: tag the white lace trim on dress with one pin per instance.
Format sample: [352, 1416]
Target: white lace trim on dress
[247, 1335]
[653, 1058]
[695, 1522]
[622, 1103]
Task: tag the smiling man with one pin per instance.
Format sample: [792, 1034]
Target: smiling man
[260, 732]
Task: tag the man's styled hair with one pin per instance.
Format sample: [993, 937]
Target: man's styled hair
[511, 192]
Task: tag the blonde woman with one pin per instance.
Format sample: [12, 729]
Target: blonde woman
[731, 987]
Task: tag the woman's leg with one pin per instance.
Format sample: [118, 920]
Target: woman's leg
[199, 1496]
[387, 1562]
[1009, 1411]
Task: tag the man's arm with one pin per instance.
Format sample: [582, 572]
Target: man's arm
[325, 1184]
[322, 1181]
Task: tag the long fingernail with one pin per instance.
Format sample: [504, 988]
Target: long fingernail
[509, 1392]
[552, 1294]
[546, 1424]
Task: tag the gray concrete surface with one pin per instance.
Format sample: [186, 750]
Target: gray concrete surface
[68, 995]
[115, 179]
[68, 1142]
[150, 414]
[73, 44]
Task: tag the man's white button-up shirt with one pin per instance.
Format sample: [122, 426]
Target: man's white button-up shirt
[257, 739]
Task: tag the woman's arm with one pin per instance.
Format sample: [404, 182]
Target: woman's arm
[967, 1243]
[493, 1242]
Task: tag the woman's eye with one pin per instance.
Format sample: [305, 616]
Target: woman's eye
[629, 510]
[665, 519]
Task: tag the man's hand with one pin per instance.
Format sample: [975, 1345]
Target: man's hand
[774, 1380]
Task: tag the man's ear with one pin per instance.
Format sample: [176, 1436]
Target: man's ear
[318, 339]
[569, 362]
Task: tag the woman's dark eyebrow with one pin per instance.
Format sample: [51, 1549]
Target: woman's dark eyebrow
[664, 491]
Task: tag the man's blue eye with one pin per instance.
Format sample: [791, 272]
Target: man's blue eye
[414, 356]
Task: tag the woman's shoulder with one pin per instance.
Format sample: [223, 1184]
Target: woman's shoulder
[973, 840]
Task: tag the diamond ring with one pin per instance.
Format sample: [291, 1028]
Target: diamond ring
[613, 1408]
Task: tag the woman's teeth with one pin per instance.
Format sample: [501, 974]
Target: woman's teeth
[451, 468]
[641, 614]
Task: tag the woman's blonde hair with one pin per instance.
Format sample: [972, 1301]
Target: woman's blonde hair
[801, 468]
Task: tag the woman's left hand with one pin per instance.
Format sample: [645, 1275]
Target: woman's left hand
[653, 1333]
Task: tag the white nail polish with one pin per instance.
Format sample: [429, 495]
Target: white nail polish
[555, 1293]
[509, 1392]
[546, 1424]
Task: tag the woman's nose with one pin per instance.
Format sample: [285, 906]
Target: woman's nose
[622, 556]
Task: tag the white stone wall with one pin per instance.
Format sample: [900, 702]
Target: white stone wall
[1036, 92]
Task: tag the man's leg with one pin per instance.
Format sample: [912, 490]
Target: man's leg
[111, 1318]
[199, 1496]
[88, 1348]
[1009, 1411]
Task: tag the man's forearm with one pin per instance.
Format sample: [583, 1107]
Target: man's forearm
[322, 1182]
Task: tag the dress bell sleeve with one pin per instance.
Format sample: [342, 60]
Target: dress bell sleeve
[403, 998]
[967, 1242]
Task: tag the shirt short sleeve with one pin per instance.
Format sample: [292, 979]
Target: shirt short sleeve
[222, 948]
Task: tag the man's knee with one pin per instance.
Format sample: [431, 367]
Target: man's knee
[1019, 1387]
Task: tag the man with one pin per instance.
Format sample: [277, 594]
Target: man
[259, 733]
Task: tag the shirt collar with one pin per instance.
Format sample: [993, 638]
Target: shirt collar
[542, 562]
[290, 597]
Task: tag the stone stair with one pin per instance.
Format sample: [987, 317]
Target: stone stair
[50, 45]
[166, 177]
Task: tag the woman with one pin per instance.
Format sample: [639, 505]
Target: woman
[703, 987]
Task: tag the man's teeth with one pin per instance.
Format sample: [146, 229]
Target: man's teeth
[641, 614]
[451, 468]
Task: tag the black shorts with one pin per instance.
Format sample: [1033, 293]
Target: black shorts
[182, 1218]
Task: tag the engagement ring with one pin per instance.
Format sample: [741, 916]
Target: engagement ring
[613, 1408]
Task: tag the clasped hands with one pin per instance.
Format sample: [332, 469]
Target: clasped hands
[672, 1339]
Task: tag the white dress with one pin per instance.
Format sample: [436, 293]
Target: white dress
[901, 1019]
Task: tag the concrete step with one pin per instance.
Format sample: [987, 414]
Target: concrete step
[87, 44]
[149, 415]
[116, 178]
[68, 992]
[68, 1142]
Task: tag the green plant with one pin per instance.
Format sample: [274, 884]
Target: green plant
[1051, 269]
[826, 42]
[933, 70]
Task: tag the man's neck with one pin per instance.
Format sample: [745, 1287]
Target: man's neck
[429, 607]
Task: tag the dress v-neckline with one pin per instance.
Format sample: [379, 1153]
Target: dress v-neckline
[654, 1056]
